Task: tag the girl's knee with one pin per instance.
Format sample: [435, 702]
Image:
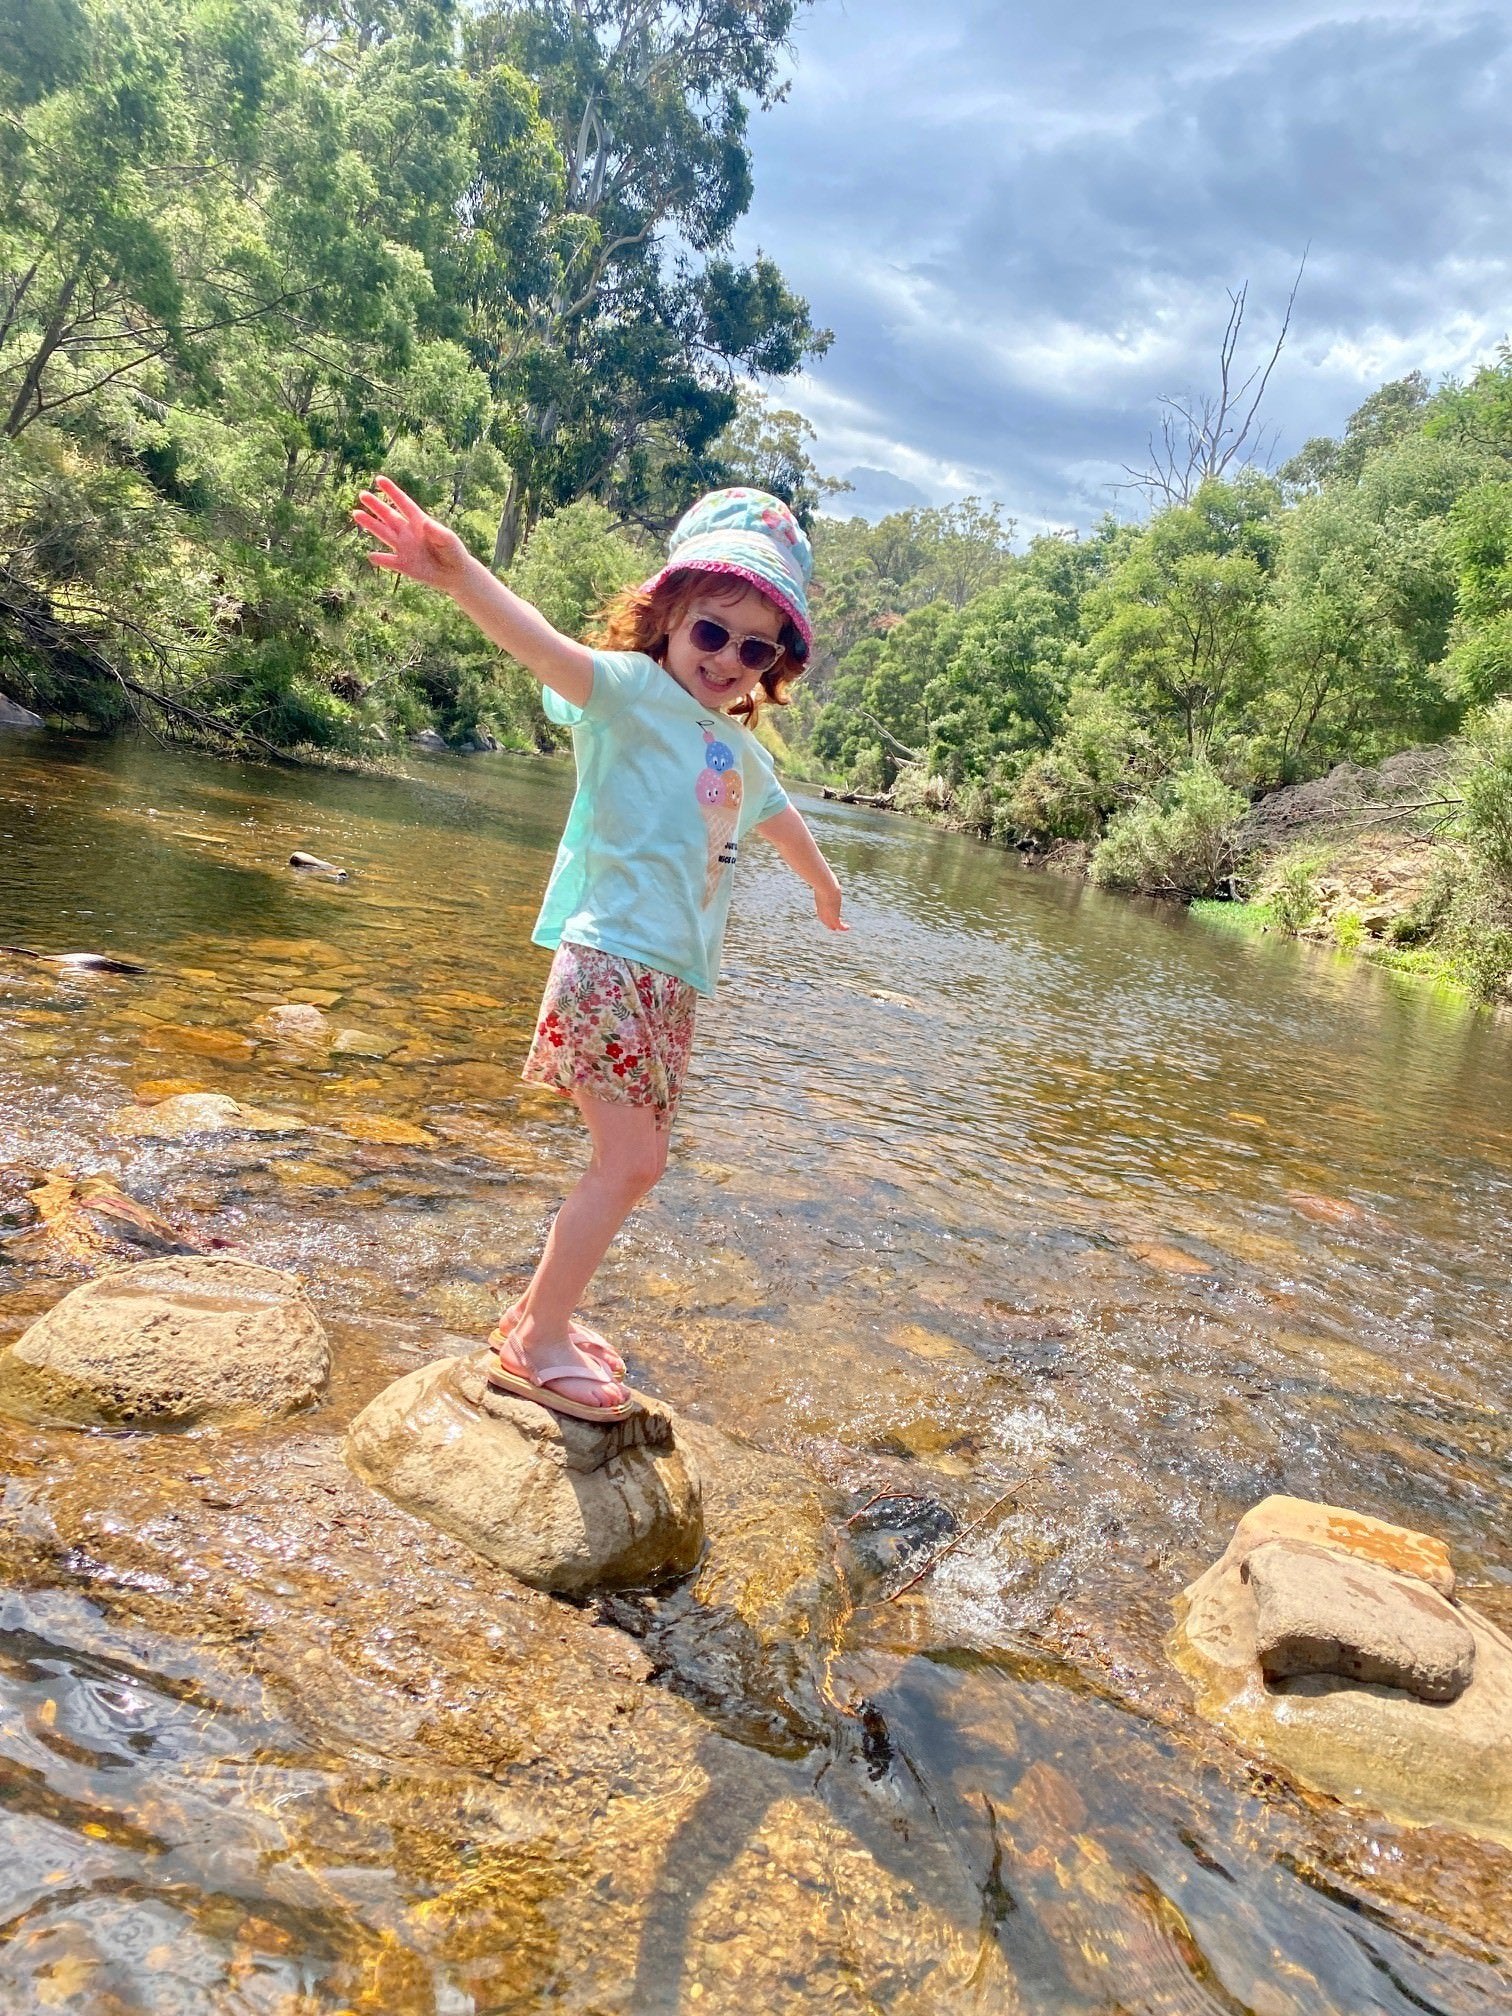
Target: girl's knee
[636, 1168]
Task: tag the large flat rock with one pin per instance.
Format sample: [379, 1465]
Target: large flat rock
[169, 1343]
[560, 1504]
[1376, 1745]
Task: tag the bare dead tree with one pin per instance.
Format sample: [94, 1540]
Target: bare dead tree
[1200, 439]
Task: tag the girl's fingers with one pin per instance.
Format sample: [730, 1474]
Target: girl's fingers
[389, 561]
[371, 525]
[407, 508]
[383, 511]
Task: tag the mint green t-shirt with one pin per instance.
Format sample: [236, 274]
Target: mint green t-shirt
[666, 791]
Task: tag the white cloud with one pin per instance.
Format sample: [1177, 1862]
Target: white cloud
[1022, 225]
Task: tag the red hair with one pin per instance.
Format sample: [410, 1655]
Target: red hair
[640, 620]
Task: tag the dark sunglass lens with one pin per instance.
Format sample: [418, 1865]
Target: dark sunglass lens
[757, 655]
[707, 636]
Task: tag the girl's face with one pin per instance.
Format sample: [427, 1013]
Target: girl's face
[717, 679]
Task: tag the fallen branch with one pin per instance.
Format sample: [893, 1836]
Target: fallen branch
[48, 633]
[878, 801]
[951, 1545]
[877, 1497]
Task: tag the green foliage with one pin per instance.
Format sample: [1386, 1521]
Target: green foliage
[1178, 625]
[1291, 892]
[1179, 842]
[1100, 761]
[249, 253]
[1484, 778]
[575, 560]
[1267, 632]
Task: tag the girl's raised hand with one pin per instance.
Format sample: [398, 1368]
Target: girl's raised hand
[418, 545]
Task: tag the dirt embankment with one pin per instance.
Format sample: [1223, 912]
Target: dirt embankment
[1366, 836]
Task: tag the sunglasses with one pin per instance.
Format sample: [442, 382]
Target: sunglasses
[756, 654]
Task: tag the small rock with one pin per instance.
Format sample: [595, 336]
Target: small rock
[1331, 1526]
[429, 739]
[294, 1022]
[199, 1113]
[560, 1504]
[311, 864]
[14, 715]
[1319, 1612]
[365, 1043]
[168, 1343]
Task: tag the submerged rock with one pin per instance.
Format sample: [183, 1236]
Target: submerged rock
[168, 1343]
[365, 1043]
[1328, 1641]
[294, 1022]
[560, 1504]
[89, 1221]
[199, 1113]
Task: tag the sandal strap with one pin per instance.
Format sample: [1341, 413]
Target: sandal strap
[576, 1369]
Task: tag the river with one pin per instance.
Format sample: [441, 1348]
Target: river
[1016, 1189]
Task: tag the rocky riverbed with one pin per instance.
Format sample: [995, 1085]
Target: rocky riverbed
[1039, 1233]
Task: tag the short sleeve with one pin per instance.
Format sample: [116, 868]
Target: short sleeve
[619, 678]
[775, 800]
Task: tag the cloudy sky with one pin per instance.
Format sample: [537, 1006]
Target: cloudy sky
[1020, 220]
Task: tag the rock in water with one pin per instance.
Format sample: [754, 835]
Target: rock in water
[14, 715]
[1327, 1641]
[297, 1023]
[562, 1505]
[311, 864]
[1318, 1612]
[89, 1221]
[166, 1344]
[190, 1113]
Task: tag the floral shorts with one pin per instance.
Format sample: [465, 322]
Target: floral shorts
[614, 1028]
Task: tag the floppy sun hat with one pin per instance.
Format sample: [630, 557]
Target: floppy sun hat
[754, 537]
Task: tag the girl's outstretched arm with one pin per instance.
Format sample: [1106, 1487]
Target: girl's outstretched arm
[791, 837]
[428, 551]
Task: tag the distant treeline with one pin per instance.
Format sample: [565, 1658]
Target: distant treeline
[1356, 602]
[1134, 690]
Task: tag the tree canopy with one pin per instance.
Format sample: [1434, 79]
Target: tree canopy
[250, 252]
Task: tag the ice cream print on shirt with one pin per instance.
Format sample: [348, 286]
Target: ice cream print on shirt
[719, 792]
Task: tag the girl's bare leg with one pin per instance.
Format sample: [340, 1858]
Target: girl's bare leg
[629, 1155]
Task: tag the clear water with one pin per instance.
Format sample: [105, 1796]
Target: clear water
[1016, 1186]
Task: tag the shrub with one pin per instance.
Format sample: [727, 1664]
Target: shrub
[1094, 766]
[1178, 843]
[1291, 894]
[1485, 785]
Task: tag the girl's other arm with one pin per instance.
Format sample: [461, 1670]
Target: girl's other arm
[427, 551]
[800, 850]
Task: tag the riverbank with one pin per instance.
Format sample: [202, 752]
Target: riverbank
[1369, 861]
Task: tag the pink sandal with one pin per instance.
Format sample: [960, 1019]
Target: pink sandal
[519, 1387]
[589, 1342]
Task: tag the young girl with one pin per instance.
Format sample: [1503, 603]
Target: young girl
[670, 780]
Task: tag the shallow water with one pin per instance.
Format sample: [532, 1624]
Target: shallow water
[1014, 1190]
